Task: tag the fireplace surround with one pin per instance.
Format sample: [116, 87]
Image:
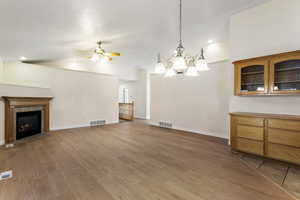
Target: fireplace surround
[25, 116]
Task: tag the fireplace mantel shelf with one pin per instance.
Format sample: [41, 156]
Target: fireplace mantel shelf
[12, 103]
[12, 97]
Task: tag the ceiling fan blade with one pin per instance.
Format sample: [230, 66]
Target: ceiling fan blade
[81, 43]
[38, 61]
[113, 54]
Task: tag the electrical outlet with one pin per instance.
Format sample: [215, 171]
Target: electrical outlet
[6, 175]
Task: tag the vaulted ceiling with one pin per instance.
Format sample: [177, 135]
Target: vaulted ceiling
[60, 29]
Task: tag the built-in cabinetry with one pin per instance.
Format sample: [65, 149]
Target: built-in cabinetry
[269, 75]
[272, 136]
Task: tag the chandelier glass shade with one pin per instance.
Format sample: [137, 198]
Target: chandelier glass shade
[170, 72]
[202, 65]
[192, 71]
[180, 63]
[160, 68]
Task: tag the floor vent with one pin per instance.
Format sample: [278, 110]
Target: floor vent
[6, 175]
[98, 123]
[165, 125]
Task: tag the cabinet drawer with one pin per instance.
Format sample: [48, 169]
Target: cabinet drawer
[284, 124]
[279, 136]
[249, 146]
[252, 121]
[285, 153]
[250, 132]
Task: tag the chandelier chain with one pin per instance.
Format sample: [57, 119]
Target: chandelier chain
[180, 23]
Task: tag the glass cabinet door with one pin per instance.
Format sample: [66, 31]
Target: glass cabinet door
[252, 78]
[285, 75]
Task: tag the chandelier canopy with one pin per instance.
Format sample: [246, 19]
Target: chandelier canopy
[180, 62]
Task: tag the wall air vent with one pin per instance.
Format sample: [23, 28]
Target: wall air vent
[97, 123]
[165, 125]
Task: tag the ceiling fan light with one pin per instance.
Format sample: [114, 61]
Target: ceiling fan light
[95, 57]
[179, 63]
[160, 68]
[170, 72]
[191, 71]
[104, 60]
[202, 65]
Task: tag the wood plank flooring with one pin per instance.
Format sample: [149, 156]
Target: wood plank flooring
[130, 161]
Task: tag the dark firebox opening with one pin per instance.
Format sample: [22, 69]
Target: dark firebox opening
[28, 124]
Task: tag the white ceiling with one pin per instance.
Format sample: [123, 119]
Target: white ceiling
[57, 29]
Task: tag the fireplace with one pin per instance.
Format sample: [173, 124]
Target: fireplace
[25, 116]
[28, 122]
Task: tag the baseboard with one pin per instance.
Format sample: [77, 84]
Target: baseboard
[79, 126]
[69, 127]
[139, 117]
[195, 131]
[2, 142]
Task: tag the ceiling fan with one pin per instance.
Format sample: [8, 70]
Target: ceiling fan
[101, 55]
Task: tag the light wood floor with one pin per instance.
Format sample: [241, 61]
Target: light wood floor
[130, 161]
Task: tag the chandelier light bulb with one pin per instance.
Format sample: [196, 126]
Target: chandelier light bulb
[191, 71]
[179, 63]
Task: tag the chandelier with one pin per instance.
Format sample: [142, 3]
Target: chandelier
[180, 62]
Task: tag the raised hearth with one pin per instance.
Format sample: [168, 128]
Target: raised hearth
[25, 116]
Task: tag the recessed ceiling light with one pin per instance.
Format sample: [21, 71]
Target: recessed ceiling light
[23, 58]
[210, 41]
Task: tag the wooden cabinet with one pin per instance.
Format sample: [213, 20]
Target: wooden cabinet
[252, 77]
[273, 136]
[285, 74]
[126, 111]
[270, 75]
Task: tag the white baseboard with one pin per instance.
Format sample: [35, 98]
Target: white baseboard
[69, 127]
[79, 126]
[139, 117]
[2, 142]
[195, 131]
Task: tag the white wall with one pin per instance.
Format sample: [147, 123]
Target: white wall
[197, 104]
[1, 70]
[79, 97]
[141, 95]
[271, 28]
